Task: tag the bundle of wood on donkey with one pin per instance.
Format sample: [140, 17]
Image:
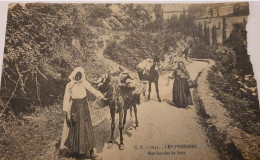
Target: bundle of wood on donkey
[148, 70]
[122, 93]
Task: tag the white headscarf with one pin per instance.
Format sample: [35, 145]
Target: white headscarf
[75, 71]
[83, 83]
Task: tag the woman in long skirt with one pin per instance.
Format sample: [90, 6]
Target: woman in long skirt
[80, 139]
[181, 95]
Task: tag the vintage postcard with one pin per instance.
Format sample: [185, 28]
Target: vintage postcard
[128, 81]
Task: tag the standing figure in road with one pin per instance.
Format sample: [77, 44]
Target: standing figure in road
[187, 51]
[80, 139]
[181, 95]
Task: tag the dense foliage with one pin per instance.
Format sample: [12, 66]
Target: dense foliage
[238, 42]
[233, 82]
[138, 46]
[202, 50]
[44, 42]
[184, 24]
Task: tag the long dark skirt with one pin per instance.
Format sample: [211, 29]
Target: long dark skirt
[181, 95]
[81, 137]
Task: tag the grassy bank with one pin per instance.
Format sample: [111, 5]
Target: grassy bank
[244, 109]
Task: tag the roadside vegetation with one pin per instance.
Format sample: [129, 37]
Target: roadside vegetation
[233, 83]
[44, 42]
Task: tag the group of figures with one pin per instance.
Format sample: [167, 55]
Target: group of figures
[117, 89]
[120, 92]
[181, 95]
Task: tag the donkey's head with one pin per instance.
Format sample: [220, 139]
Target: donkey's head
[114, 93]
[156, 63]
[155, 66]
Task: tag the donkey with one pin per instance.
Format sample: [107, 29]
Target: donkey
[120, 98]
[116, 105]
[153, 76]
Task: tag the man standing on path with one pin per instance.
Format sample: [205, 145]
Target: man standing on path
[187, 51]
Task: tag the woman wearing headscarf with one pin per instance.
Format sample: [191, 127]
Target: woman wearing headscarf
[181, 95]
[79, 138]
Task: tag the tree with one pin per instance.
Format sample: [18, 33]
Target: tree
[217, 12]
[211, 11]
[208, 36]
[237, 41]
[200, 32]
[224, 29]
[214, 34]
[158, 16]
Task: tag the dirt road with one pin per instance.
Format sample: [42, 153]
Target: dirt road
[165, 131]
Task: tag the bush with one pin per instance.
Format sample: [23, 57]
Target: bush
[238, 42]
[138, 46]
[202, 50]
[242, 108]
[237, 93]
[226, 60]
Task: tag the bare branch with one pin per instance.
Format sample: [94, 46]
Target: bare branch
[26, 78]
[20, 77]
[7, 104]
[41, 74]
[37, 88]
[4, 82]
[9, 77]
[11, 70]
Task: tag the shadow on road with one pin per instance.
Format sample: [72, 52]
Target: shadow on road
[103, 132]
[172, 104]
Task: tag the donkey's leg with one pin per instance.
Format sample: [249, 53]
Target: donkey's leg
[121, 146]
[121, 127]
[125, 113]
[136, 120]
[144, 85]
[157, 91]
[131, 112]
[150, 84]
[112, 113]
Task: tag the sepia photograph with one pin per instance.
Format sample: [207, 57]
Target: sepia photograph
[128, 81]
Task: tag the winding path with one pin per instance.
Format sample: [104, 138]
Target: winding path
[164, 130]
